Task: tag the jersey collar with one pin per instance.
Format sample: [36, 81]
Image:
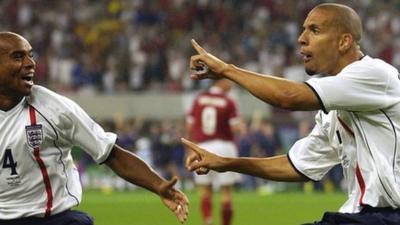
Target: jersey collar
[15, 108]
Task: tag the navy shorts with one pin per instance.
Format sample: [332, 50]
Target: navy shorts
[68, 217]
[367, 216]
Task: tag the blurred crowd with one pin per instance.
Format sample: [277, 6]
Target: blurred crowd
[114, 46]
[128, 46]
[158, 143]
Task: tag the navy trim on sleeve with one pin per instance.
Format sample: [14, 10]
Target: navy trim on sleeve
[110, 153]
[108, 157]
[319, 98]
[298, 171]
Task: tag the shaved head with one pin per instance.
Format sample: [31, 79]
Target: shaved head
[17, 69]
[330, 39]
[7, 38]
[8, 34]
[345, 19]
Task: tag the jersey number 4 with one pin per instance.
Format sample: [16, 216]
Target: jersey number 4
[9, 162]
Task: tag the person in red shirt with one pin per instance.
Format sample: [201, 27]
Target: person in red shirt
[211, 122]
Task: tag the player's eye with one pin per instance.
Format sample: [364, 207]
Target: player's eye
[314, 29]
[18, 55]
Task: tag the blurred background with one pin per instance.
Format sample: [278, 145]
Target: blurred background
[126, 63]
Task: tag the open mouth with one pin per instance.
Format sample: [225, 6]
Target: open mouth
[306, 56]
[28, 78]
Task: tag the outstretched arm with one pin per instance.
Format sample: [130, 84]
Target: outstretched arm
[131, 168]
[276, 168]
[273, 90]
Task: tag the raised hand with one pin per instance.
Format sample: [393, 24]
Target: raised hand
[205, 65]
[175, 200]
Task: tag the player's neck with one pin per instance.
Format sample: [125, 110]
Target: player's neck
[353, 56]
[7, 102]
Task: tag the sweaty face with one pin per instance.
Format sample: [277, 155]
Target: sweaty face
[319, 43]
[17, 67]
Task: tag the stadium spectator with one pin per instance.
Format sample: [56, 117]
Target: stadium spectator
[162, 145]
[267, 140]
[356, 126]
[266, 144]
[39, 128]
[259, 30]
[245, 143]
[211, 122]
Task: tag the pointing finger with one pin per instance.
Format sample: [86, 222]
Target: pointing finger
[192, 146]
[198, 48]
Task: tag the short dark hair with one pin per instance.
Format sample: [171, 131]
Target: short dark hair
[345, 19]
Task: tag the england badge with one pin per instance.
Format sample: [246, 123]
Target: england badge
[34, 135]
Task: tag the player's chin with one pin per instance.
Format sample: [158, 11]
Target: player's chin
[27, 91]
[23, 91]
[26, 88]
[310, 71]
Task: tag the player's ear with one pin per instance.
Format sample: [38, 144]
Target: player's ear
[345, 42]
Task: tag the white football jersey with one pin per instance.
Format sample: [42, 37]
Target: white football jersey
[38, 176]
[359, 127]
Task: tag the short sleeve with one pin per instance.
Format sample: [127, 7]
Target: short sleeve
[85, 133]
[313, 156]
[72, 124]
[359, 87]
